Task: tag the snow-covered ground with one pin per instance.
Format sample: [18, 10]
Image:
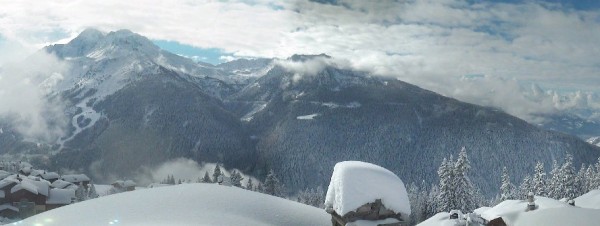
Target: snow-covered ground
[589, 200]
[185, 204]
[549, 212]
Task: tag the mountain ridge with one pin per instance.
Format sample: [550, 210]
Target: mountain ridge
[133, 106]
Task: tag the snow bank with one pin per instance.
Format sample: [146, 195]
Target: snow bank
[509, 210]
[589, 200]
[560, 217]
[185, 204]
[354, 184]
[441, 219]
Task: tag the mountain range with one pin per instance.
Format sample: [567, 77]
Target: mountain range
[133, 106]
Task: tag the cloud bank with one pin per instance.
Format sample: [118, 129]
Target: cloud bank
[24, 96]
[431, 43]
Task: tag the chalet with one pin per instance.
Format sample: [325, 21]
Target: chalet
[127, 185]
[9, 211]
[27, 194]
[60, 197]
[78, 179]
[61, 184]
[364, 192]
[49, 176]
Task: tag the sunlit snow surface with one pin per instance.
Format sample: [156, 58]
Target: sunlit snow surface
[355, 183]
[549, 212]
[186, 204]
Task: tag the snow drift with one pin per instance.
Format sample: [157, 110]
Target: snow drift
[355, 183]
[186, 204]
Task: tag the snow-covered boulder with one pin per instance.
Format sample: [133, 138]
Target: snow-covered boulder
[357, 185]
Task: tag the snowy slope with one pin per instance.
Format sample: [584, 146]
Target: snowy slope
[550, 212]
[186, 204]
[594, 141]
[589, 200]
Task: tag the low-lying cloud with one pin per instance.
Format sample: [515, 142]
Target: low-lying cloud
[184, 169]
[25, 95]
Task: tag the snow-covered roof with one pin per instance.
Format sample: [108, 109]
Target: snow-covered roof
[45, 175]
[75, 178]
[60, 196]
[509, 209]
[157, 185]
[124, 184]
[24, 185]
[9, 207]
[589, 200]
[559, 217]
[354, 184]
[61, 184]
[4, 174]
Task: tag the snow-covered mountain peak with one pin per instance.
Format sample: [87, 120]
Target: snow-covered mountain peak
[303, 57]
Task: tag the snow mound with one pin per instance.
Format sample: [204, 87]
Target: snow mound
[560, 217]
[354, 184]
[185, 204]
[589, 200]
[509, 210]
[441, 219]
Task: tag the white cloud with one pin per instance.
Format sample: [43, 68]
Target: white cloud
[24, 89]
[431, 43]
[184, 169]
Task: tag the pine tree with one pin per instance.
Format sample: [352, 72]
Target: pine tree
[249, 185]
[272, 186]
[206, 178]
[581, 181]
[80, 194]
[465, 191]
[507, 189]
[236, 178]
[445, 200]
[590, 176]
[567, 178]
[526, 187]
[260, 188]
[216, 173]
[92, 194]
[539, 180]
[553, 184]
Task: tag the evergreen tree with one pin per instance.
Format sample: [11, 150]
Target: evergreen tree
[581, 181]
[507, 189]
[249, 185]
[590, 176]
[464, 189]
[92, 194]
[272, 186]
[260, 188]
[216, 173]
[445, 200]
[539, 180]
[553, 184]
[313, 197]
[80, 194]
[206, 178]
[567, 177]
[236, 178]
[526, 187]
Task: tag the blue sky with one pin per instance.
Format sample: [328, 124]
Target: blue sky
[208, 55]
